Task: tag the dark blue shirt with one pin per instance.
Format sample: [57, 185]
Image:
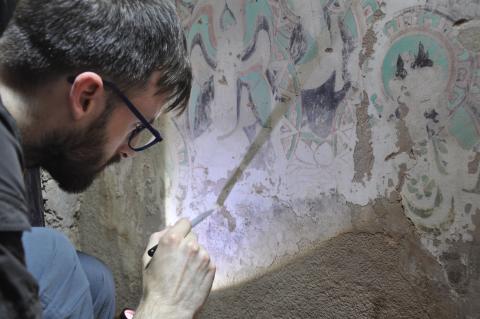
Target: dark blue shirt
[13, 199]
[18, 288]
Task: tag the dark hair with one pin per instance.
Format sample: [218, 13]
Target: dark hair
[6, 11]
[122, 40]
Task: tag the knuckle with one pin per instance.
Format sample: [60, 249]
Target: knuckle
[153, 236]
[171, 239]
[193, 241]
[193, 248]
[184, 221]
[164, 240]
[204, 257]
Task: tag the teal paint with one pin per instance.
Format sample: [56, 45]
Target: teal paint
[464, 56]
[312, 50]
[457, 96]
[425, 212]
[188, 2]
[228, 19]
[390, 25]
[299, 110]
[373, 7]
[295, 81]
[253, 10]
[351, 24]
[409, 45]
[463, 128]
[260, 95]
[475, 89]
[323, 2]
[370, 3]
[201, 27]
[431, 17]
[292, 148]
[439, 162]
[282, 42]
[378, 107]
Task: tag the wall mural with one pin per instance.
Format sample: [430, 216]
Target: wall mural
[381, 98]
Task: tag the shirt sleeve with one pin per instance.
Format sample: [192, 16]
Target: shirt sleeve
[13, 207]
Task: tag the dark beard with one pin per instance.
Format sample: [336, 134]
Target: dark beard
[73, 158]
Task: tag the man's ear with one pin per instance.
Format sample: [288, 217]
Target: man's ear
[86, 95]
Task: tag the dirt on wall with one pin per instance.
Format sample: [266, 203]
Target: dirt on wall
[378, 270]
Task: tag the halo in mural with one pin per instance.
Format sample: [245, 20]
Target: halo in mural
[425, 45]
[412, 52]
[421, 79]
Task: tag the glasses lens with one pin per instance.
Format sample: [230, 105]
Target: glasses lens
[141, 138]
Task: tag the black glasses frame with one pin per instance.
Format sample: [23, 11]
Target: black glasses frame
[145, 124]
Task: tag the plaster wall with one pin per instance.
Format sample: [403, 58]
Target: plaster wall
[342, 140]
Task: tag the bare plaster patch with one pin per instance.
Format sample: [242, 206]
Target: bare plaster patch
[363, 154]
[473, 165]
[369, 40]
[404, 142]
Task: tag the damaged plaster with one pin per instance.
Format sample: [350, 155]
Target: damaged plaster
[363, 155]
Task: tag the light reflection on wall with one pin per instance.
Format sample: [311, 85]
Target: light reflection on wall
[259, 57]
[249, 56]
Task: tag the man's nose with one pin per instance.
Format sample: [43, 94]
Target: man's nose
[126, 152]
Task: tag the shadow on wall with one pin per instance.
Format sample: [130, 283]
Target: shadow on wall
[378, 270]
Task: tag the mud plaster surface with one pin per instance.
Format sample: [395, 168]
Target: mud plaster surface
[462, 265]
[378, 270]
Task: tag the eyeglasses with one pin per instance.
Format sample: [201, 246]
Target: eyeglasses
[144, 135]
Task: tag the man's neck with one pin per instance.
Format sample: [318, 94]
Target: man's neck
[17, 105]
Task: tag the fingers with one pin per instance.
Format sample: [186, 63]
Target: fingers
[203, 258]
[179, 233]
[191, 238]
[208, 279]
[180, 229]
[179, 237]
[210, 276]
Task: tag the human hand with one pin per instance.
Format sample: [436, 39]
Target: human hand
[178, 278]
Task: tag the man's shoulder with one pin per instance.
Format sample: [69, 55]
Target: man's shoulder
[13, 207]
[9, 133]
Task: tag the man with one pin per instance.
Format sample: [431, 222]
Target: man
[81, 84]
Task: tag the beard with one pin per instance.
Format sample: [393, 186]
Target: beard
[73, 158]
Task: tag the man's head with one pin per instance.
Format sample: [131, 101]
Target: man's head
[136, 44]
